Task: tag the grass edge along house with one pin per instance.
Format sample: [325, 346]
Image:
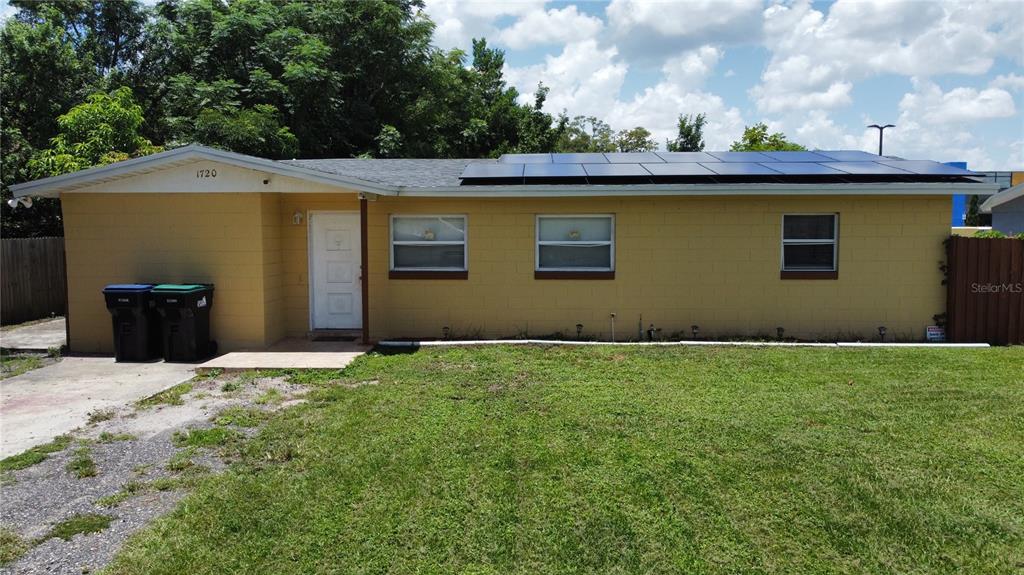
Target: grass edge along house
[825, 244]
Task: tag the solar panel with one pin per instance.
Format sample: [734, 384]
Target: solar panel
[631, 157]
[740, 157]
[525, 158]
[488, 170]
[803, 169]
[678, 169]
[686, 157]
[739, 169]
[615, 170]
[850, 156]
[925, 167]
[555, 171]
[796, 157]
[579, 159]
[869, 168]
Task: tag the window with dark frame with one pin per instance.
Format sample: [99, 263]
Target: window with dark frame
[427, 243]
[809, 242]
[575, 243]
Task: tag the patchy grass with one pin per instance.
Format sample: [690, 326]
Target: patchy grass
[241, 416]
[35, 455]
[12, 364]
[271, 396]
[107, 437]
[81, 464]
[128, 490]
[85, 523]
[623, 460]
[170, 396]
[213, 437]
[101, 415]
[12, 546]
[182, 460]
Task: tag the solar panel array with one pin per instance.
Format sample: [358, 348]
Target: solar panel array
[697, 167]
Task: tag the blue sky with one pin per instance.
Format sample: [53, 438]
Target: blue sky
[950, 75]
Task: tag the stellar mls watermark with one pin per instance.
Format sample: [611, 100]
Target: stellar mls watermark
[995, 288]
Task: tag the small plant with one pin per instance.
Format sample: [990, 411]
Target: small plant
[229, 386]
[85, 523]
[215, 436]
[107, 437]
[182, 460]
[128, 490]
[271, 396]
[82, 465]
[171, 396]
[101, 415]
[34, 455]
[12, 546]
[240, 417]
[989, 234]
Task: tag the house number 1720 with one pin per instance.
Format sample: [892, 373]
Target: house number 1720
[206, 173]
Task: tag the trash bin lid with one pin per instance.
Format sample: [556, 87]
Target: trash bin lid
[128, 287]
[179, 288]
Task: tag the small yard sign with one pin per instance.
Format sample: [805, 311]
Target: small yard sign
[935, 333]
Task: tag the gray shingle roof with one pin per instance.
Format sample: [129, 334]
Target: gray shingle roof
[406, 173]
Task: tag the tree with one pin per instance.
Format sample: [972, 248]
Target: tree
[636, 140]
[102, 130]
[757, 139]
[584, 134]
[691, 134]
[973, 217]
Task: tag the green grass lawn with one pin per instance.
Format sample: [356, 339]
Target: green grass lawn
[616, 460]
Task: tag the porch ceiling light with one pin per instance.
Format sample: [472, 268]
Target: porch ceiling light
[297, 217]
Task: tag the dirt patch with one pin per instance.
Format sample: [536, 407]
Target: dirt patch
[145, 459]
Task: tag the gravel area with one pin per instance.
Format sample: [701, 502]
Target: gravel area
[34, 499]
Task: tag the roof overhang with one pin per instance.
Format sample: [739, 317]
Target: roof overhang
[52, 187]
[1007, 195]
[758, 189]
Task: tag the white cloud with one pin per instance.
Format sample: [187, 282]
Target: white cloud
[1009, 82]
[459, 21]
[817, 56]
[646, 30]
[958, 105]
[554, 26]
[692, 68]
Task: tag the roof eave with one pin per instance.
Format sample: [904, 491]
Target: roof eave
[1007, 195]
[53, 186]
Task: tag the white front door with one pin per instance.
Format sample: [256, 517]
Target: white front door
[334, 275]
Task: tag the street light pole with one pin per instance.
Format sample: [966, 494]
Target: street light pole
[881, 129]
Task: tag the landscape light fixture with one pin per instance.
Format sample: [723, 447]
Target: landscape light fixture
[695, 329]
[579, 330]
[780, 331]
[881, 130]
[881, 332]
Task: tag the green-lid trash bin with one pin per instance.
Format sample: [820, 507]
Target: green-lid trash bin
[185, 320]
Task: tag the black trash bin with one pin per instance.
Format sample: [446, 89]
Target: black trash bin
[136, 326]
[185, 320]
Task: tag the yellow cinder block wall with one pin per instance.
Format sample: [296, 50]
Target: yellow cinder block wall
[710, 261]
[215, 238]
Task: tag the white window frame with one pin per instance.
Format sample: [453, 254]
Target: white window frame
[538, 243]
[810, 242]
[464, 243]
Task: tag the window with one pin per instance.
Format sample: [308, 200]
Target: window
[581, 245]
[428, 244]
[809, 245]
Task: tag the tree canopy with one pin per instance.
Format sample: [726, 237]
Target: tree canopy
[757, 139]
[691, 134]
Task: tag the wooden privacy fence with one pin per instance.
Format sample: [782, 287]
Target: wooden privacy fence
[32, 279]
[985, 301]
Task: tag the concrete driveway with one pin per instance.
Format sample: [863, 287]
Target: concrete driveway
[39, 336]
[39, 405]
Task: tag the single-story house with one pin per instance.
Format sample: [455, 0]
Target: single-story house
[1007, 209]
[828, 244]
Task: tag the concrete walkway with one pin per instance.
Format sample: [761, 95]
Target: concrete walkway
[291, 354]
[41, 404]
[35, 337]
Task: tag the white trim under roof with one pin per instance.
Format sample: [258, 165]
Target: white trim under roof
[52, 187]
[1007, 195]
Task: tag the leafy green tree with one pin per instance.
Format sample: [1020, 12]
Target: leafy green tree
[636, 140]
[691, 134]
[585, 134]
[757, 139]
[102, 130]
[973, 217]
